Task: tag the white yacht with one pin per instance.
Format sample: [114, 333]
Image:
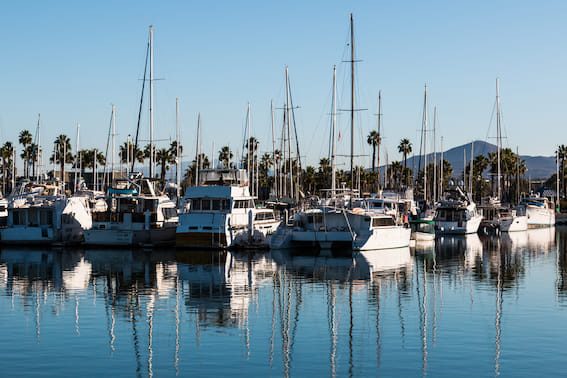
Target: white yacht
[221, 213]
[502, 218]
[457, 214]
[539, 210]
[339, 228]
[40, 214]
[137, 215]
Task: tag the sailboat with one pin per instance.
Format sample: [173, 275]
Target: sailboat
[137, 214]
[496, 216]
[335, 223]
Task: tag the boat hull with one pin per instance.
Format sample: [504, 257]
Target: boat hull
[458, 227]
[130, 238]
[514, 224]
[384, 238]
[540, 217]
[29, 235]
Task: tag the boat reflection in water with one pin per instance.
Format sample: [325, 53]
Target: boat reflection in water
[387, 312]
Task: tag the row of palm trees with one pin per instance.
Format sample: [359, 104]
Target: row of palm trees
[62, 155]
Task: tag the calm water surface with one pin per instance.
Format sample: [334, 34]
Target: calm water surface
[473, 306]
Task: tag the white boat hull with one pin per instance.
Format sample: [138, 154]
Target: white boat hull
[459, 227]
[540, 217]
[514, 224]
[384, 238]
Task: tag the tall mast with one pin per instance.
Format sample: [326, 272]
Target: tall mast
[113, 144]
[434, 156]
[424, 133]
[333, 141]
[471, 169]
[379, 134]
[197, 150]
[351, 101]
[288, 128]
[498, 136]
[518, 177]
[78, 160]
[177, 148]
[36, 146]
[95, 179]
[249, 146]
[442, 173]
[152, 157]
[465, 168]
[274, 150]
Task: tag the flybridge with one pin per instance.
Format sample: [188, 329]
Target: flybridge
[224, 177]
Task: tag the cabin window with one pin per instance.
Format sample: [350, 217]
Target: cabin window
[150, 205]
[216, 204]
[196, 204]
[240, 204]
[19, 217]
[169, 212]
[206, 204]
[380, 222]
[264, 216]
[46, 217]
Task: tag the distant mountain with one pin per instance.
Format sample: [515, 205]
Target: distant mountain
[539, 167]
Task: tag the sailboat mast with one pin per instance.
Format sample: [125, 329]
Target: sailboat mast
[434, 155]
[78, 160]
[424, 131]
[379, 135]
[177, 148]
[498, 137]
[113, 144]
[333, 139]
[248, 146]
[274, 149]
[442, 173]
[36, 147]
[197, 150]
[471, 169]
[351, 100]
[151, 102]
[288, 128]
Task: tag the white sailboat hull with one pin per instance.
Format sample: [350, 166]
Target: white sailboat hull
[459, 227]
[384, 238]
[514, 224]
[540, 217]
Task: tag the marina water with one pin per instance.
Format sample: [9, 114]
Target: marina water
[466, 306]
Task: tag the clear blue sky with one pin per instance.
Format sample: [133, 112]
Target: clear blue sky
[71, 60]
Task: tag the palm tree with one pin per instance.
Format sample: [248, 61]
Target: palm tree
[202, 161]
[373, 139]
[62, 153]
[324, 173]
[138, 154]
[34, 151]
[164, 156]
[87, 160]
[309, 178]
[225, 156]
[266, 162]
[7, 154]
[405, 149]
[25, 139]
[396, 173]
